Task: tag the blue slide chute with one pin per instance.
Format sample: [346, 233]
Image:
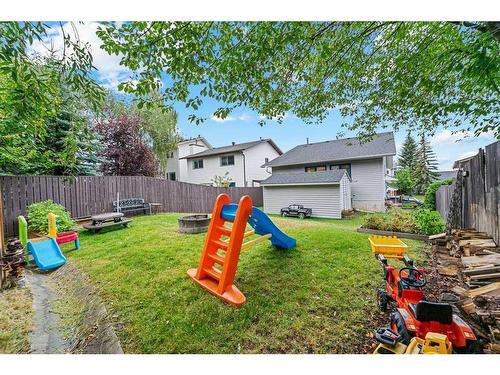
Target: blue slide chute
[47, 254]
[262, 225]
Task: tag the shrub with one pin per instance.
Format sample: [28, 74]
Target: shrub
[430, 193]
[37, 217]
[428, 222]
[394, 220]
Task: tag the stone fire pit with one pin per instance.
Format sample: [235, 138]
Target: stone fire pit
[194, 223]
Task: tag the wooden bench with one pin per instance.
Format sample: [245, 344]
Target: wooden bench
[106, 220]
[131, 205]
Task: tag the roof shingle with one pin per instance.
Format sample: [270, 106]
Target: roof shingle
[341, 149]
[232, 148]
[322, 177]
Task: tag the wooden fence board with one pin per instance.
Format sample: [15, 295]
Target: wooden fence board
[481, 193]
[88, 195]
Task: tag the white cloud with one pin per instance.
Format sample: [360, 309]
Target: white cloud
[448, 137]
[218, 119]
[109, 71]
[245, 117]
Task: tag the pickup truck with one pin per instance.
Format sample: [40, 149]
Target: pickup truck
[296, 210]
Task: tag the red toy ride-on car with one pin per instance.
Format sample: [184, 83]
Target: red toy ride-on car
[414, 316]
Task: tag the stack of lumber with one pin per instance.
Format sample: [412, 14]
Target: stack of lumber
[473, 259]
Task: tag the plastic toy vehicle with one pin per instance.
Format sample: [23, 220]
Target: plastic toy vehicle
[416, 317]
[434, 343]
[296, 210]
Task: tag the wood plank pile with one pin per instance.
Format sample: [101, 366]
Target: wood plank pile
[472, 259]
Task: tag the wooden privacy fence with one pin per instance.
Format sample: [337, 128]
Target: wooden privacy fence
[89, 195]
[480, 192]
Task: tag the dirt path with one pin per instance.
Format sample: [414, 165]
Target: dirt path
[46, 336]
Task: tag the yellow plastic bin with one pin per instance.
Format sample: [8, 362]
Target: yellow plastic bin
[388, 246]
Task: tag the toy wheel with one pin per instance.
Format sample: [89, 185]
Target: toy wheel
[398, 325]
[283, 214]
[382, 299]
[301, 216]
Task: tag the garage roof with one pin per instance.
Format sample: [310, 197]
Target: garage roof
[304, 178]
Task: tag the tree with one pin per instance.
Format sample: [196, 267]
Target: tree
[125, 151]
[426, 166]
[379, 74]
[31, 97]
[407, 158]
[222, 181]
[404, 181]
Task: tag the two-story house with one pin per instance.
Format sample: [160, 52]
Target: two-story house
[196, 161]
[305, 176]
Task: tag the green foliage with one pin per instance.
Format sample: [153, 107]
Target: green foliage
[407, 158]
[430, 193]
[426, 166]
[428, 222]
[37, 217]
[415, 74]
[222, 181]
[404, 181]
[37, 92]
[395, 220]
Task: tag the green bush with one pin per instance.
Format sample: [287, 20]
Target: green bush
[430, 193]
[428, 222]
[37, 217]
[395, 220]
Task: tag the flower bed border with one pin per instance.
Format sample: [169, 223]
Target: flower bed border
[411, 236]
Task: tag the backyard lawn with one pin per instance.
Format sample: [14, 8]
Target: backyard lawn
[318, 297]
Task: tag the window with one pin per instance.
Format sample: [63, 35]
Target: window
[266, 160]
[232, 184]
[347, 167]
[227, 160]
[316, 169]
[171, 176]
[198, 164]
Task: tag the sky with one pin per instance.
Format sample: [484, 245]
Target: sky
[242, 124]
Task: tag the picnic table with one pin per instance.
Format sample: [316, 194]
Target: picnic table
[107, 219]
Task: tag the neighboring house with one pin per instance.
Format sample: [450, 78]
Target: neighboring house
[177, 167]
[368, 166]
[199, 163]
[447, 175]
[327, 193]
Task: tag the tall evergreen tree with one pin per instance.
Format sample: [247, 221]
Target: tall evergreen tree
[408, 155]
[426, 166]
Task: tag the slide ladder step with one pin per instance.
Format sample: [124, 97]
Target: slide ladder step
[225, 230]
[217, 258]
[213, 273]
[221, 244]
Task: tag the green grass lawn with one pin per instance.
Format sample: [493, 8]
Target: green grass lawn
[318, 297]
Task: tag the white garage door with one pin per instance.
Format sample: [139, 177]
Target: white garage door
[324, 200]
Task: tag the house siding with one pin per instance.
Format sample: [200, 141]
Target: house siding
[325, 200]
[212, 167]
[255, 157]
[367, 181]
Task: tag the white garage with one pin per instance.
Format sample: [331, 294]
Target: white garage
[327, 193]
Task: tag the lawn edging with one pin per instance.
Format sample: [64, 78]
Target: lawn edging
[411, 236]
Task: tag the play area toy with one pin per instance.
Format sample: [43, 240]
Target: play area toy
[63, 237]
[223, 244]
[389, 343]
[414, 316]
[390, 247]
[45, 251]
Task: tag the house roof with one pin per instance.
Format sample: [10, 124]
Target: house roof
[341, 149]
[195, 139]
[304, 178]
[458, 163]
[445, 175]
[233, 148]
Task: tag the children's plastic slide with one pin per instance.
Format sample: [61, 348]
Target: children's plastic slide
[262, 225]
[47, 254]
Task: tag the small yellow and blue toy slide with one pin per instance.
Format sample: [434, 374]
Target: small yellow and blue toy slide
[46, 253]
